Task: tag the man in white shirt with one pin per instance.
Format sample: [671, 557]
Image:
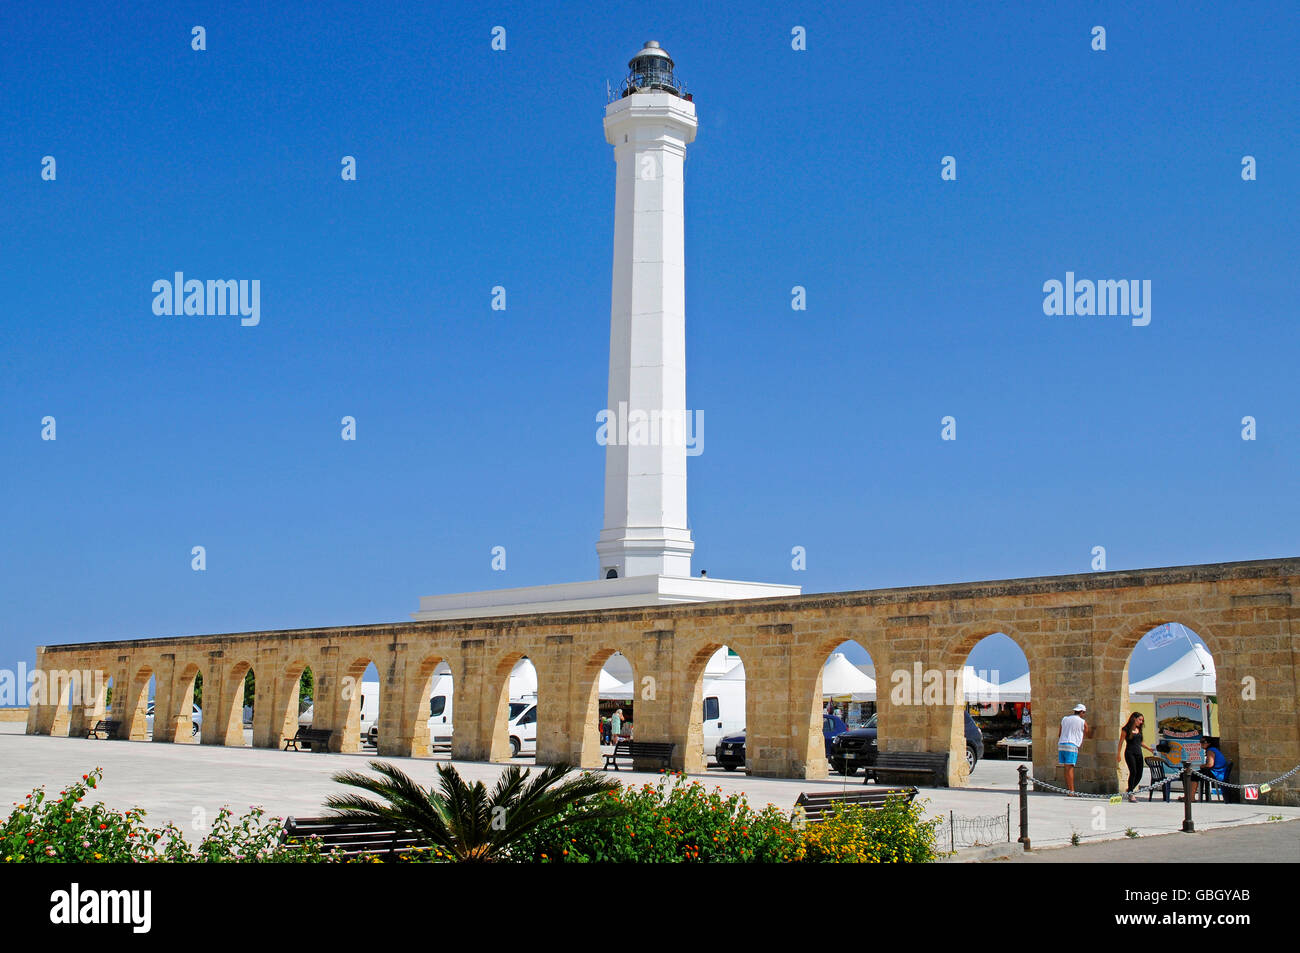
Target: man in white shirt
[1073, 730]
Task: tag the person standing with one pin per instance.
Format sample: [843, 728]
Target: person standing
[1073, 730]
[1129, 751]
[615, 725]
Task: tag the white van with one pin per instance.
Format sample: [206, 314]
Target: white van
[523, 725]
[440, 713]
[724, 711]
[370, 712]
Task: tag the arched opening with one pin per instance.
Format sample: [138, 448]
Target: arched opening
[296, 705]
[103, 703]
[138, 709]
[997, 718]
[608, 706]
[717, 706]
[433, 709]
[360, 699]
[615, 696]
[239, 707]
[515, 723]
[845, 703]
[1171, 707]
[188, 710]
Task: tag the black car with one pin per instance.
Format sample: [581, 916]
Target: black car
[857, 748]
[730, 752]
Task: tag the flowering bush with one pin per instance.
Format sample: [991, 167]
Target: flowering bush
[675, 821]
[855, 834]
[66, 830]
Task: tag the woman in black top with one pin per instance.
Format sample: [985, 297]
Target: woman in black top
[1130, 750]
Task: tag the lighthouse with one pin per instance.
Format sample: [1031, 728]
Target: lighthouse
[649, 125]
[645, 543]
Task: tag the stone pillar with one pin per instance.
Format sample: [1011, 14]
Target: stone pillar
[166, 701]
[226, 709]
[401, 718]
[42, 703]
[269, 716]
[85, 698]
[665, 703]
[776, 738]
[1257, 672]
[902, 718]
[559, 722]
[473, 712]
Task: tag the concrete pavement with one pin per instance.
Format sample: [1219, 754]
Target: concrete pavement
[187, 783]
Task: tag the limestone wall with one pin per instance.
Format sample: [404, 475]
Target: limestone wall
[1076, 631]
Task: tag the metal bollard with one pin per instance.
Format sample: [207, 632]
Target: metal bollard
[1024, 806]
[1188, 826]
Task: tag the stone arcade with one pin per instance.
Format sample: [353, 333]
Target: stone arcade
[1076, 631]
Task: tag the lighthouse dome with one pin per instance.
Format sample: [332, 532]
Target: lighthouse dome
[651, 69]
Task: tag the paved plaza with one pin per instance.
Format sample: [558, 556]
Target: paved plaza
[1274, 842]
[182, 782]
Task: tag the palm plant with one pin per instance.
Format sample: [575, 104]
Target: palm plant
[466, 821]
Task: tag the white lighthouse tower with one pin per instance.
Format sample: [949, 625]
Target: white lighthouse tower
[645, 545]
[649, 126]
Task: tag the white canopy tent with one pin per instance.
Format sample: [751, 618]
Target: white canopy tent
[611, 687]
[1016, 690]
[1193, 674]
[841, 679]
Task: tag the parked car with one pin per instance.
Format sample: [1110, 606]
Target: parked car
[523, 727]
[196, 724]
[857, 748]
[730, 752]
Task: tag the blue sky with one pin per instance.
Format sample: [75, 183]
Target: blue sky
[476, 428]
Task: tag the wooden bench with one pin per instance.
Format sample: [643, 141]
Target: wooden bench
[316, 739]
[661, 751]
[107, 726]
[921, 765]
[817, 807]
[348, 837]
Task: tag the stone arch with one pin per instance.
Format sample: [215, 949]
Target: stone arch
[413, 722]
[498, 697]
[586, 703]
[228, 711]
[955, 653]
[174, 718]
[99, 703]
[1113, 689]
[347, 716]
[135, 704]
[806, 683]
[688, 717]
[284, 707]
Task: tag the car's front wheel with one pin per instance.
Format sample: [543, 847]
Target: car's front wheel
[971, 759]
[515, 747]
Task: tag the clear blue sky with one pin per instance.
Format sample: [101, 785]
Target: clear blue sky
[476, 428]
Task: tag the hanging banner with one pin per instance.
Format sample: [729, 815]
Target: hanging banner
[1180, 723]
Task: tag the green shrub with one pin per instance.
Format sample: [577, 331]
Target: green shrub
[66, 830]
[675, 821]
[855, 834]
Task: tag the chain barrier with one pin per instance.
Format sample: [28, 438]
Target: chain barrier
[1264, 786]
